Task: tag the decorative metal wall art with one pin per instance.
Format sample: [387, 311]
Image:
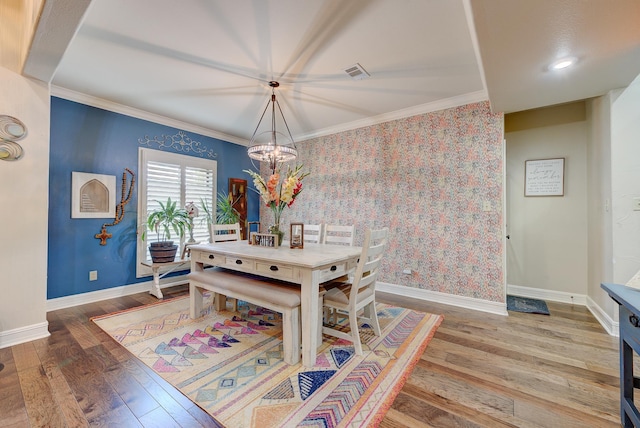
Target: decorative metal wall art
[179, 142]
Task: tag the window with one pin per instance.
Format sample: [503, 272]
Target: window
[182, 178]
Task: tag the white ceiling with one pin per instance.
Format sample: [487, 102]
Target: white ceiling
[208, 62]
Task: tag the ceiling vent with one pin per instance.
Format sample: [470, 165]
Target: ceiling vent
[357, 72]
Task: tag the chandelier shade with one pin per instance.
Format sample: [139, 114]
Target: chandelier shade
[272, 146]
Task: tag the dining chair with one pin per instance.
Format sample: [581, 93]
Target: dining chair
[351, 297]
[340, 235]
[336, 235]
[313, 233]
[226, 233]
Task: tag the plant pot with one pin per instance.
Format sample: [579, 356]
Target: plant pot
[163, 251]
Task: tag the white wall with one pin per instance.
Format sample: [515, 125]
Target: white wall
[600, 247]
[23, 213]
[547, 249]
[625, 182]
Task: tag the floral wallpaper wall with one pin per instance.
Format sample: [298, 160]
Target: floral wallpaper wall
[434, 179]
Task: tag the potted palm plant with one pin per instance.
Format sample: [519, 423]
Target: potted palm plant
[225, 213]
[166, 220]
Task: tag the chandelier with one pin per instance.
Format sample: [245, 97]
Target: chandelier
[272, 146]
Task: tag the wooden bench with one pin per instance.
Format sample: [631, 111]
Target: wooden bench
[276, 295]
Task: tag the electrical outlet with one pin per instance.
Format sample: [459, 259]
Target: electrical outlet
[93, 275]
[486, 206]
[636, 204]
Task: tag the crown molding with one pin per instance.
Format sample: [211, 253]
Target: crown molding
[469, 98]
[101, 103]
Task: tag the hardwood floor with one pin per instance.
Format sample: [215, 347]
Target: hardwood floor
[480, 370]
[524, 370]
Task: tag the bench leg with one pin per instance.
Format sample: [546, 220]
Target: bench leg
[291, 335]
[195, 300]
[155, 287]
[220, 302]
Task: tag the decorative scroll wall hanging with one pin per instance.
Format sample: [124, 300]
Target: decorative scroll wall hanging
[179, 142]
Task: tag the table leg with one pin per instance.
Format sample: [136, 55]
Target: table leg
[155, 288]
[310, 316]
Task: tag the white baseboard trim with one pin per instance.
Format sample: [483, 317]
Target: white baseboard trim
[611, 326]
[24, 334]
[601, 316]
[110, 293]
[554, 296]
[446, 299]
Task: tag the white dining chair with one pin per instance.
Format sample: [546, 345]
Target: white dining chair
[338, 235]
[226, 233]
[313, 233]
[359, 294]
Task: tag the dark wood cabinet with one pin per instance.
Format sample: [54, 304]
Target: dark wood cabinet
[238, 192]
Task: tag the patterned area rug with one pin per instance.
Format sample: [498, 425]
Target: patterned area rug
[525, 304]
[230, 363]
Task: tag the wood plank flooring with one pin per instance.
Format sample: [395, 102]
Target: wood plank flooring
[480, 370]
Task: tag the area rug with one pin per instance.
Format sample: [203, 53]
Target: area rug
[230, 363]
[525, 304]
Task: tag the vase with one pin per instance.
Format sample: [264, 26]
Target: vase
[275, 230]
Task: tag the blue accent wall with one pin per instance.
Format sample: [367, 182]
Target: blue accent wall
[92, 140]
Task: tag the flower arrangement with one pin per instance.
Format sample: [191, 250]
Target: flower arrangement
[278, 195]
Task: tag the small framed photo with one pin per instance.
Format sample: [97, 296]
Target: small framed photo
[93, 195]
[264, 239]
[544, 177]
[296, 234]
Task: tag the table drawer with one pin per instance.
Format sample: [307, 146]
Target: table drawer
[336, 270]
[239, 263]
[209, 259]
[273, 270]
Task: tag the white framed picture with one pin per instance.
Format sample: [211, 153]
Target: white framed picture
[544, 177]
[93, 195]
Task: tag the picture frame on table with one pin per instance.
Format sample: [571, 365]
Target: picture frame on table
[296, 235]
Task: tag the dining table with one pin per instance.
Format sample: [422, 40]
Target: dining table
[309, 267]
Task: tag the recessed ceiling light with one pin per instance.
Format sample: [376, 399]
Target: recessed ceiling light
[563, 63]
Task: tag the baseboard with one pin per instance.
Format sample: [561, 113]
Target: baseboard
[110, 293]
[603, 318]
[446, 299]
[554, 296]
[24, 334]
